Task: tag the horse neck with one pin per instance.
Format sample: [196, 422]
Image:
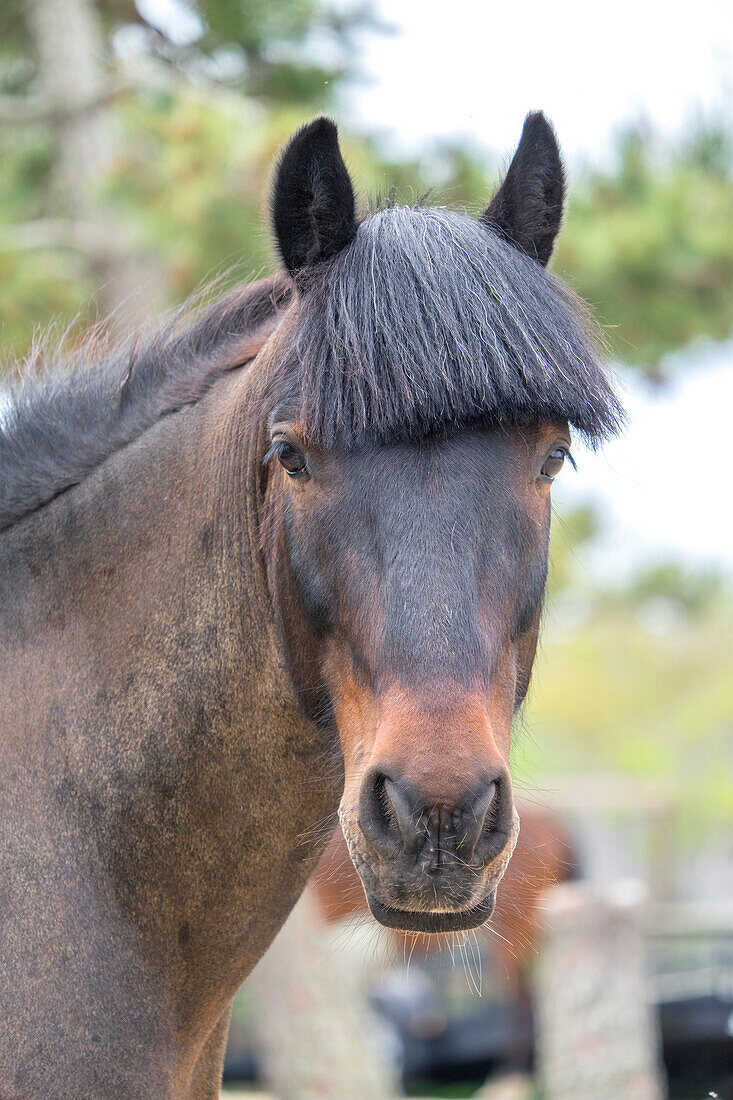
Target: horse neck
[160, 690]
[157, 547]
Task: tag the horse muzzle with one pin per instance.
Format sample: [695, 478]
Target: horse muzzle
[431, 865]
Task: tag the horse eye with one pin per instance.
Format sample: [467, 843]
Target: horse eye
[554, 463]
[291, 459]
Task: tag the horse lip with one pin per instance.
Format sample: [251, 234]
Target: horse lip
[412, 920]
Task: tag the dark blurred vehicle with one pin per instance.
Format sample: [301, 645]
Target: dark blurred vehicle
[440, 1031]
[691, 960]
[440, 1042]
[447, 1034]
[445, 1038]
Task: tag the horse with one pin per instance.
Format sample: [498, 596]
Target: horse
[282, 560]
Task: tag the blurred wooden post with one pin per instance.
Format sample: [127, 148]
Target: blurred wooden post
[596, 1032]
[311, 1021]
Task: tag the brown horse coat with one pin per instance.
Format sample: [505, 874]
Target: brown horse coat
[141, 873]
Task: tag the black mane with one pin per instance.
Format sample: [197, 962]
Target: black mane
[59, 424]
[429, 320]
[426, 321]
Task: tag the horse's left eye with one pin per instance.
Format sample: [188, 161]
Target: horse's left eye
[554, 463]
[291, 459]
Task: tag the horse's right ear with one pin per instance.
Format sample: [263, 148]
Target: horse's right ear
[527, 208]
[313, 209]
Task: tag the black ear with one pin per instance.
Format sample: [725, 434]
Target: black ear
[527, 208]
[312, 201]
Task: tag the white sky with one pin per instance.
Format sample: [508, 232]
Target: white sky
[473, 68]
[664, 486]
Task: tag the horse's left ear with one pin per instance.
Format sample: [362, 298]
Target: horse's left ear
[313, 209]
[527, 208]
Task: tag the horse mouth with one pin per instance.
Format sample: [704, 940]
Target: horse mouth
[412, 920]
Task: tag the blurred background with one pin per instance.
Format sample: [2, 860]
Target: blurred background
[137, 139]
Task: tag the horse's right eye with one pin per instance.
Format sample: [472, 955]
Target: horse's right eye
[291, 459]
[554, 463]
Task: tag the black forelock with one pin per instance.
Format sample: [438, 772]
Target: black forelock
[429, 321]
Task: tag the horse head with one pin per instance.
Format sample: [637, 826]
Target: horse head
[420, 394]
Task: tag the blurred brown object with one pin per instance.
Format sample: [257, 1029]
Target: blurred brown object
[543, 857]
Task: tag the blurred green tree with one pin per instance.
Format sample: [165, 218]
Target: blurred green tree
[194, 110]
[134, 154]
[650, 244]
[637, 689]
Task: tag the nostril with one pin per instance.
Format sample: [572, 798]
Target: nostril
[476, 815]
[397, 821]
[389, 816]
[486, 800]
[376, 813]
[405, 816]
[496, 821]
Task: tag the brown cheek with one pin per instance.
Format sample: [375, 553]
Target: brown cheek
[501, 701]
[526, 647]
[502, 656]
[354, 706]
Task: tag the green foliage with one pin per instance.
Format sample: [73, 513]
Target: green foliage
[43, 288]
[648, 696]
[280, 51]
[650, 246]
[189, 175]
[269, 39]
[40, 292]
[570, 531]
[669, 586]
[191, 161]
